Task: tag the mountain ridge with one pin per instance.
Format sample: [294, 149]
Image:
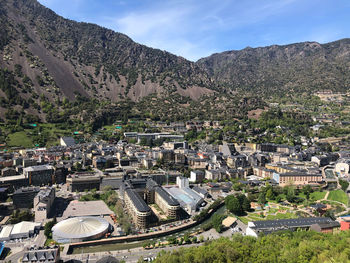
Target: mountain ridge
[47, 59]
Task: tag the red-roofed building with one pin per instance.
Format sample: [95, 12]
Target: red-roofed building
[345, 224]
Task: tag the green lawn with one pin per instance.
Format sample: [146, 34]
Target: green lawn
[314, 196]
[338, 195]
[244, 220]
[280, 216]
[20, 139]
[317, 195]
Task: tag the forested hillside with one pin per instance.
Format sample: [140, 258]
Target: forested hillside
[288, 247]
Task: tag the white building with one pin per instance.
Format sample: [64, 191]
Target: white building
[182, 182]
[196, 176]
[23, 229]
[342, 167]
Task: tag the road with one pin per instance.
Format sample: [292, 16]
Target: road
[18, 249]
[132, 255]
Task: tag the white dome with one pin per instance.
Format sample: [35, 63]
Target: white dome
[80, 228]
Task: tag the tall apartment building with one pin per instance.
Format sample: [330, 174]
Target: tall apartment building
[23, 197]
[43, 202]
[138, 193]
[82, 182]
[169, 205]
[39, 175]
[138, 209]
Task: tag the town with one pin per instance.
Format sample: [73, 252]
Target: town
[152, 191]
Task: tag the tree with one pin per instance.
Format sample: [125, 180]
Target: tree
[112, 200]
[290, 194]
[233, 205]
[262, 198]
[307, 190]
[270, 194]
[246, 204]
[48, 228]
[344, 184]
[217, 222]
[278, 198]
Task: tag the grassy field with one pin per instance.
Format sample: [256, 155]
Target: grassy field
[20, 139]
[338, 195]
[280, 216]
[317, 196]
[314, 196]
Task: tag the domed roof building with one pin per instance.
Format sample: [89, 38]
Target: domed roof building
[78, 229]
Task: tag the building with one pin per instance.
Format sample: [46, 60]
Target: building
[189, 200]
[137, 208]
[42, 255]
[202, 192]
[263, 172]
[342, 167]
[80, 182]
[269, 226]
[168, 204]
[197, 163]
[345, 223]
[5, 233]
[328, 227]
[14, 181]
[23, 229]
[79, 229]
[182, 182]
[237, 161]
[8, 171]
[215, 174]
[297, 178]
[43, 202]
[24, 197]
[175, 145]
[227, 149]
[197, 176]
[86, 208]
[67, 141]
[39, 175]
[157, 195]
[29, 162]
[229, 222]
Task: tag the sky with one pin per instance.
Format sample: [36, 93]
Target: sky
[198, 28]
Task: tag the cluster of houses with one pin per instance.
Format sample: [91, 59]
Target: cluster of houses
[65, 164]
[139, 172]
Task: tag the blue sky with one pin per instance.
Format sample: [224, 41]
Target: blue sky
[199, 28]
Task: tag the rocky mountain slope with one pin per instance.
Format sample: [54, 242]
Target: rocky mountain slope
[54, 69]
[294, 68]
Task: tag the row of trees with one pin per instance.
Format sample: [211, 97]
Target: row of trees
[288, 247]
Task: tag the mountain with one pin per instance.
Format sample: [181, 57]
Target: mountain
[57, 70]
[294, 68]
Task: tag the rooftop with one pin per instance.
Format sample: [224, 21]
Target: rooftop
[86, 208]
[27, 190]
[138, 202]
[24, 227]
[38, 168]
[290, 223]
[166, 196]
